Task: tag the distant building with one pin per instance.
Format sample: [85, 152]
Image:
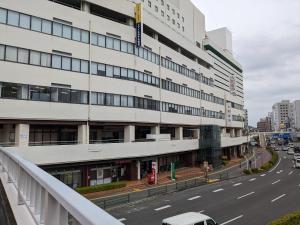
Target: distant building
[264, 125]
[295, 115]
[281, 115]
[270, 115]
[246, 123]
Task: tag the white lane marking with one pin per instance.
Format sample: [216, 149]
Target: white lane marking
[280, 171]
[253, 179]
[263, 175]
[218, 190]
[275, 166]
[279, 197]
[122, 219]
[237, 184]
[163, 207]
[290, 173]
[202, 211]
[276, 182]
[243, 196]
[193, 198]
[229, 221]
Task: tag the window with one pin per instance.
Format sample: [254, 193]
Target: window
[101, 41]
[23, 56]
[67, 32]
[36, 24]
[76, 34]
[109, 71]
[210, 222]
[10, 90]
[94, 39]
[45, 60]
[84, 66]
[75, 96]
[85, 36]
[101, 98]
[76, 65]
[56, 61]
[117, 44]
[130, 48]
[64, 95]
[2, 51]
[57, 29]
[124, 73]
[11, 54]
[116, 100]
[3, 15]
[123, 46]
[46, 27]
[130, 74]
[124, 101]
[116, 71]
[66, 63]
[101, 69]
[130, 101]
[24, 21]
[13, 18]
[94, 98]
[109, 42]
[35, 58]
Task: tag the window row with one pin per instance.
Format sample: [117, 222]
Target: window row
[42, 93]
[181, 109]
[107, 99]
[26, 56]
[237, 106]
[42, 25]
[237, 118]
[123, 46]
[123, 73]
[170, 86]
[186, 72]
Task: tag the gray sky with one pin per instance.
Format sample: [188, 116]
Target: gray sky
[266, 41]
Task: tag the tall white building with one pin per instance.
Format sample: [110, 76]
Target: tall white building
[295, 114]
[281, 112]
[83, 100]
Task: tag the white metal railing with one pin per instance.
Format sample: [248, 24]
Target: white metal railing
[49, 201]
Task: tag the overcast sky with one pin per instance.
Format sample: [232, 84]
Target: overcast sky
[266, 41]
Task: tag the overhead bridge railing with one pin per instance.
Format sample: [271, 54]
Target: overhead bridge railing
[48, 200]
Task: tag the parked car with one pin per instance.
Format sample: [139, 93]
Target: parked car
[290, 151]
[189, 218]
[296, 155]
[297, 163]
[285, 148]
[277, 148]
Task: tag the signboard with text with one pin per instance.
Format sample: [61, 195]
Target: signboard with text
[138, 24]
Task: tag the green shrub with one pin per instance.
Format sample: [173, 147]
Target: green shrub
[273, 161]
[102, 187]
[247, 172]
[289, 219]
[255, 170]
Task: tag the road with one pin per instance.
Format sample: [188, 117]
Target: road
[247, 200]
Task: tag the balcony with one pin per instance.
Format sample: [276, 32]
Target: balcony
[227, 140]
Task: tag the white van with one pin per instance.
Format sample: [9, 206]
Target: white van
[189, 218]
[297, 163]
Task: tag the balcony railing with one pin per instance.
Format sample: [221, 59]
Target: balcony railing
[48, 200]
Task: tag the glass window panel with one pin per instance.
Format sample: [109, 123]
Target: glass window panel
[116, 71]
[101, 98]
[75, 96]
[123, 46]
[109, 42]
[24, 21]
[130, 101]
[101, 40]
[76, 34]
[117, 44]
[116, 100]
[84, 66]
[35, 58]
[94, 98]
[3, 15]
[54, 94]
[136, 75]
[66, 63]
[76, 65]
[45, 59]
[141, 77]
[130, 48]
[13, 18]
[145, 54]
[23, 55]
[109, 71]
[141, 52]
[2, 51]
[84, 97]
[124, 72]
[109, 99]
[56, 61]
[10, 90]
[101, 69]
[64, 95]
[46, 26]
[130, 74]
[57, 29]
[94, 68]
[85, 36]
[36, 24]
[34, 93]
[11, 54]
[124, 101]
[67, 31]
[94, 39]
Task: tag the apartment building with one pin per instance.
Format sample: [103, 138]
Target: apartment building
[281, 112]
[264, 124]
[96, 91]
[295, 114]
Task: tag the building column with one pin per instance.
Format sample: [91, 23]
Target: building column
[156, 131]
[83, 134]
[178, 133]
[138, 165]
[129, 133]
[22, 135]
[85, 6]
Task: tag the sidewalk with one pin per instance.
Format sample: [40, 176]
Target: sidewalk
[184, 173]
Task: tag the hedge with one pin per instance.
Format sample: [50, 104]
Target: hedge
[289, 219]
[102, 187]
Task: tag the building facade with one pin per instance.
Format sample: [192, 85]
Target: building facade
[281, 112]
[95, 91]
[264, 124]
[295, 115]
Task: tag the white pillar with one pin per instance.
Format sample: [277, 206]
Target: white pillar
[83, 134]
[138, 165]
[22, 135]
[156, 131]
[179, 133]
[129, 133]
[85, 6]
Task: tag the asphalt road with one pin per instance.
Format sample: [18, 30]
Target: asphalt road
[247, 200]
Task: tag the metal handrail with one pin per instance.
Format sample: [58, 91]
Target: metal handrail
[47, 198]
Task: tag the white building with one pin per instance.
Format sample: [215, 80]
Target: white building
[295, 114]
[281, 112]
[83, 101]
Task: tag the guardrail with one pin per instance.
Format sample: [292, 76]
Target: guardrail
[48, 200]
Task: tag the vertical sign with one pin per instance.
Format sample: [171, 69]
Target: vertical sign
[232, 85]
[138, 24]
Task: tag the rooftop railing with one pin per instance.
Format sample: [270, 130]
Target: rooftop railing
[49, 201]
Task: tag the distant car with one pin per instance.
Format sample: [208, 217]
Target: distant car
[296, 155]
[290, 151]
[277, 148]
[297, 163]
[291, 145]
[285, 148]
[189, 218]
